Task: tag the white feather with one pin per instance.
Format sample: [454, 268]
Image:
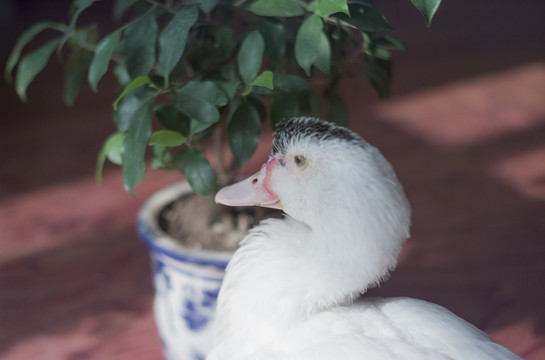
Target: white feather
[290, 289]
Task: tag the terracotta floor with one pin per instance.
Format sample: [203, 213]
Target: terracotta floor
[465, 130]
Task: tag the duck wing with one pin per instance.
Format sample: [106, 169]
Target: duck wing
[385, 329]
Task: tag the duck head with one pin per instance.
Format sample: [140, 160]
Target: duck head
[319, 173]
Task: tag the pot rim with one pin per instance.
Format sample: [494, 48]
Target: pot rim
[151, 234]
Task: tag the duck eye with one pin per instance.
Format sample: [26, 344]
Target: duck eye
[299, 160]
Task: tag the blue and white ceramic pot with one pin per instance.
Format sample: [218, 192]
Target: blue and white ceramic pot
[186, 282]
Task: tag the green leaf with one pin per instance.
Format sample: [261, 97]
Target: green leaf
[309, 104]
[224, 47]
[78, 62]
[337, 111]
[365, 18]
[23, 40]
[206, 90]
[197, 108]
[324, 8]
[75, 69]
[243, 132]
[289, 83]
[323, 61]
[178, 160]
[196, 126]
[229, 72]
[382, 54]
[167, 138]
[120, 7]
[390, 42]
[129, 105]
[114, 146]
[173, 119]
[76, 9]
[207, 5]
[233, 106]
[30, 65]
[125, 111]
[111, 149]
[259, 106]
[281, 8]
[136, 83]
[101, 59]
[284, 83]
[138, 47]
[122, 74]
[160, 158]
[173, 39]
[274, 35]
[379, 72]
[198, 172]
[250, 56]
[284, 106]
[307, 42]
[265, 79]
[230, 88]
[427, 8]
[135, 144]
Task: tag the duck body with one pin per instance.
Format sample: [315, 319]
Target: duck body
[290, 289]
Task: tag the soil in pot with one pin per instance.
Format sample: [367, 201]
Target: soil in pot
[199, 223]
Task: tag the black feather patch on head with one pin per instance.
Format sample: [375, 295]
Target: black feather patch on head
[310, 129]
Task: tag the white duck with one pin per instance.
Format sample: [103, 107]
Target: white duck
[290, 290]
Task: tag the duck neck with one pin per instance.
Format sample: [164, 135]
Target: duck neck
[286, 271]
[345, 260]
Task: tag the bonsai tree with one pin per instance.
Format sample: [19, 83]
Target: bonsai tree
[199, 67]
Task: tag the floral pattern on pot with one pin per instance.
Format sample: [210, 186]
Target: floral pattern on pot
[184, 306]
[186, 283]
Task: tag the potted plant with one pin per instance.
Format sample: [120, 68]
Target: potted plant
[192, 74]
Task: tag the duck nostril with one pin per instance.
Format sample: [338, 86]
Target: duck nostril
[254, 181]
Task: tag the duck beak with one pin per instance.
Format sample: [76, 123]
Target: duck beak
[253, 191]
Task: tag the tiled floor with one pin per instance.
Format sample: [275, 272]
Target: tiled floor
[473, 163]
[465, 130]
